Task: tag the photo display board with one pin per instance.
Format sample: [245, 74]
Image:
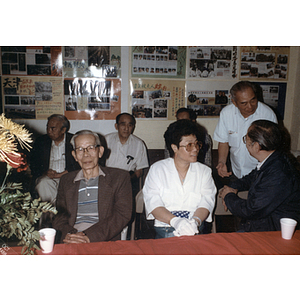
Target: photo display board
[156, 99]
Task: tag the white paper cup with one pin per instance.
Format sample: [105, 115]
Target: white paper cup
[287, 228]
[47, 239]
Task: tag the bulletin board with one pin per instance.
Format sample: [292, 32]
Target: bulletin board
[27, 97]
[92, 98]
[158, 61]
[273, 94]
[264, 63]
[31, 60]
[80, 82]
[208, 98]
[84, 82]
[156, 99]
[92, 61]
[212, 62]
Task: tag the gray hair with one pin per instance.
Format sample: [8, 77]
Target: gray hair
[85, 132]
[241, 86]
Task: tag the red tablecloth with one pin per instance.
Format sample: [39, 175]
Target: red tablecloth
[254, 243]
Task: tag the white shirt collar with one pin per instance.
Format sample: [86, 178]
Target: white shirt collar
[261, 163]
[61, 143]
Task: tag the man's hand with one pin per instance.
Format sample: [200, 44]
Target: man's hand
[53, 174]
[76, 238]
[223, 192]
[222, 170]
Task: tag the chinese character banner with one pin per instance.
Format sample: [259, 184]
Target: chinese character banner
[31, 97]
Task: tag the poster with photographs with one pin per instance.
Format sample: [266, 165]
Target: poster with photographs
[158, 61]
[264, 62]
[92, 61]
[31, 60]
[207, 99]
[212, 62]
[153, 99]
[92, 98]
[31, 97]
[273, 94]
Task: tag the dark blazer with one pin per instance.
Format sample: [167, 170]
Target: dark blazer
[40, 156]
[114, 205]
[274, 193]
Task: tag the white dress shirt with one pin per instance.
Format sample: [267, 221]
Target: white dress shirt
[57, 156]
[163, 188]
[231, 128]
[131, 156]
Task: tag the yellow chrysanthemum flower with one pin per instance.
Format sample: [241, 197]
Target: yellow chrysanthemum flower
[9, 133]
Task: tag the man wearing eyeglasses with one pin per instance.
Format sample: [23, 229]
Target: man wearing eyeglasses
[94, 204]
[51, 158]
[233, 124]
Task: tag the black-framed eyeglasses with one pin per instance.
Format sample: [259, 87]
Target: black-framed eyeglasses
[90, 148]
[189, 147]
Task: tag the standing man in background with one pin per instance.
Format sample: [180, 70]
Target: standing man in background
[233, 124]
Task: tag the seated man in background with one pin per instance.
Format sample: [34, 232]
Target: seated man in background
[127, 152]
[274, 185]
[51, 157]
[95, 203]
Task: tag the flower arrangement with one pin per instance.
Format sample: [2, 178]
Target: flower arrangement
[18, 211]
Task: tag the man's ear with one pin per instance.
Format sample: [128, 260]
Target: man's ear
[257, 147]
[74, 155]
[101, 151]
[64, 130]
[233, 102]
[116, 126]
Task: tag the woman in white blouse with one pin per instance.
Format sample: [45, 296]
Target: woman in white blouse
[179, 192]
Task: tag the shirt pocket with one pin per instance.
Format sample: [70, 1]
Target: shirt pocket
[233, 139]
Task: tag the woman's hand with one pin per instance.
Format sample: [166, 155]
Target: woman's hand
[183, 227]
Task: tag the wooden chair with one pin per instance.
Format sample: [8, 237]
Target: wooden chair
[139, 208]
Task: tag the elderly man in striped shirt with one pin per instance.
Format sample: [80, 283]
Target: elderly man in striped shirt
[95, 203]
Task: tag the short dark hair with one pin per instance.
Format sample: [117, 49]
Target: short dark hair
[125, 114]
[177, 130]
[63, 119]
[241, 86]
[192, 114]
[267, 134]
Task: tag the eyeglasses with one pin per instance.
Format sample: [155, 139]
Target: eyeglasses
[189, 147]
[91, 148]
[245, 140]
